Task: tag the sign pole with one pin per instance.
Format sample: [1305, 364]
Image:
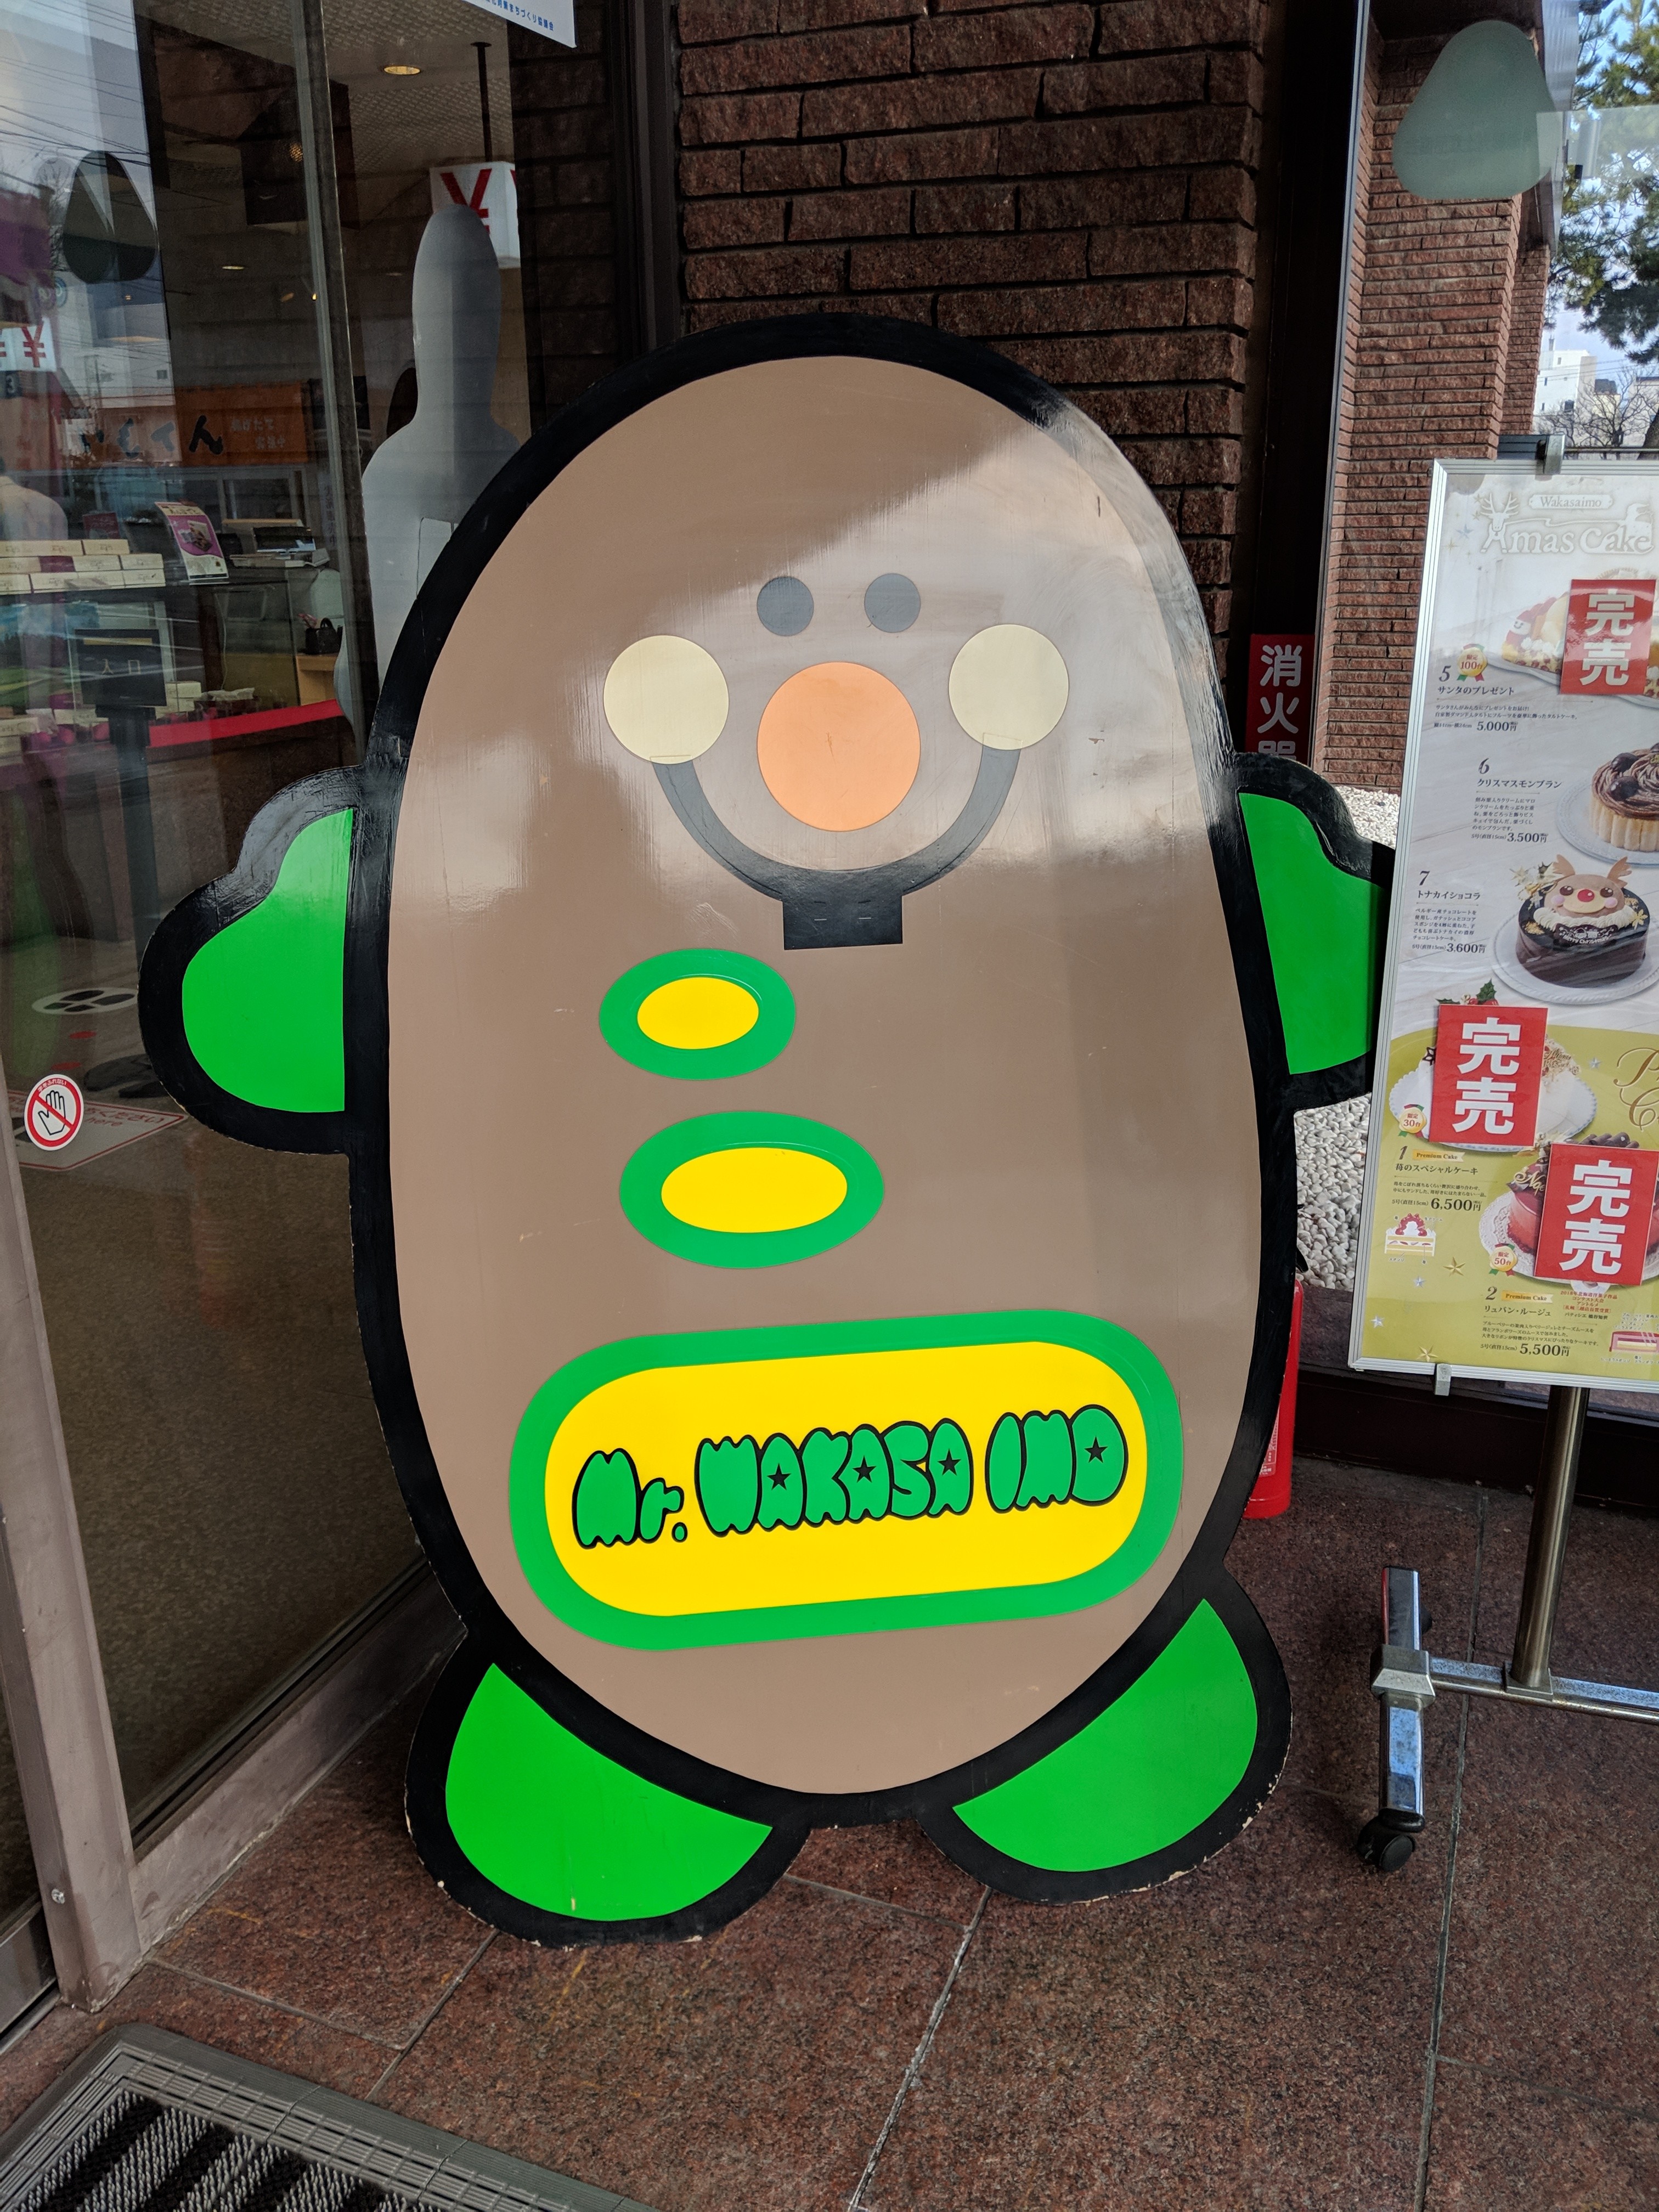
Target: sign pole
[1546, 1546]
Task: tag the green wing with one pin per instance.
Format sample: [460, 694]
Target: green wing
[242, 996]
[1324, 895]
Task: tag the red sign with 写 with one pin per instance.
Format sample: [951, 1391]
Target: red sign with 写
[1280, 693]
[1597, 1218]
[1488, 1065]
[1609, 625]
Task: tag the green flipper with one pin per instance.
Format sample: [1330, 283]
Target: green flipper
[263, 1001]
[1325, 930]
[555, 1824]
[1143, 1774]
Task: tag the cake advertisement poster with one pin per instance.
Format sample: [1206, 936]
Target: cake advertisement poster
[1510, 1226]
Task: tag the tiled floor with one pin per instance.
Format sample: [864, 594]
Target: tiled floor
[1279, 2029]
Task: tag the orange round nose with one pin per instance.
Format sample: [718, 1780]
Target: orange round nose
[839, 745]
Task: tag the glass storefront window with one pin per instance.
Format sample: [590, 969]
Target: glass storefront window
[183, 465]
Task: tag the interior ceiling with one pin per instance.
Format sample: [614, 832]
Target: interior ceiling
[399, 125]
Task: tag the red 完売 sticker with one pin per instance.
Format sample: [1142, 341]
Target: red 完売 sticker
[1488, 1065]
[1597, 1218]
[1609, 624]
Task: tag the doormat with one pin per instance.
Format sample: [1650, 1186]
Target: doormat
[148, 2122]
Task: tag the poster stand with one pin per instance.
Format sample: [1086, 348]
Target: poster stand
[1528, 677]
[1405, 1675]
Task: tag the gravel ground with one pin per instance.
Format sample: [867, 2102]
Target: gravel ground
[1330, 1140]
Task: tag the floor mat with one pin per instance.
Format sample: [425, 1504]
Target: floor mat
[148, 2122]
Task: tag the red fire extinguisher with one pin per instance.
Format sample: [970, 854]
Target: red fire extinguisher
[1272, 1494]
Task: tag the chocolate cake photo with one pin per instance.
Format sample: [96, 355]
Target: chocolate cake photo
[1581, 927]
[1624, 801]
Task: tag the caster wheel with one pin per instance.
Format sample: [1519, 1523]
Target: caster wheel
[1385, 1848]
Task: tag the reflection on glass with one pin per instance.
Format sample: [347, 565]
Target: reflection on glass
[17, 1884]
[170, 619]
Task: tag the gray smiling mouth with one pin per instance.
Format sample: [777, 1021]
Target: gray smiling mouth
[843, 906]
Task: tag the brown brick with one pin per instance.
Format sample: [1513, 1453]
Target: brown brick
[577, 184]
[1136, 410]
[790, 168]
[1159, 139]
[974, 208]
[1170, 81]
[1141, 196]
[1016, 260]
[1211, 560]
[922, 103]
[903, 307]
[1124, 357]
[702, 20]
[1222, 195]
[771, 274]
[1080, 307]
[568, 84]
[850, 215]
[733, 223]
[1155, 247]
[1215, 410]
[707, 316]
[1218, 607]
[1209, 514]
[702, 174]
[735, 121]
[827, 15]
[1237, 79]
[1004, 36]
[875, 50]
[1154, 27]
[921, 154]
[1221, 301]
[1188, 460]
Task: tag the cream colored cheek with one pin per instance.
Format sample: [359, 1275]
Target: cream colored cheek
[1009, 686]
[666, 699]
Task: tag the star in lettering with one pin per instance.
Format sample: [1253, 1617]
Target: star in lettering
[864, 1470]
[779, 1479]
[949, 1463]
[1096, 1450]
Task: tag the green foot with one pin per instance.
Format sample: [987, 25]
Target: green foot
[1149, 1787]
[533, 1829]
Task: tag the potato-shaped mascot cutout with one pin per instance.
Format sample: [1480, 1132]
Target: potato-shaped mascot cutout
[814, 1020]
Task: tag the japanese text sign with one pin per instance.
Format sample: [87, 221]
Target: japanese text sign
[1280, 694]
[1488, 1065]
[1597, 1218]
[1609, 622]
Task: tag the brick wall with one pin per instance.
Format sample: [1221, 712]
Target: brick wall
[1072, 184]
[1433, 316]
[1532, 278]
[562, 147]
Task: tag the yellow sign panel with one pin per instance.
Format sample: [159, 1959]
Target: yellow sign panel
[662, 1417]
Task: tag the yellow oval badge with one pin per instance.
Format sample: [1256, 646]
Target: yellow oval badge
[697, 1014]
[754, 1484]
[754, 1190]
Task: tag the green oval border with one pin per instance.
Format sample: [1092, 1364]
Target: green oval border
[642, 1632]
[642, 1179]
[619, 1011]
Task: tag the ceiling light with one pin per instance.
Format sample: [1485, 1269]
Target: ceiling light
[234, 267]
[399, 68]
